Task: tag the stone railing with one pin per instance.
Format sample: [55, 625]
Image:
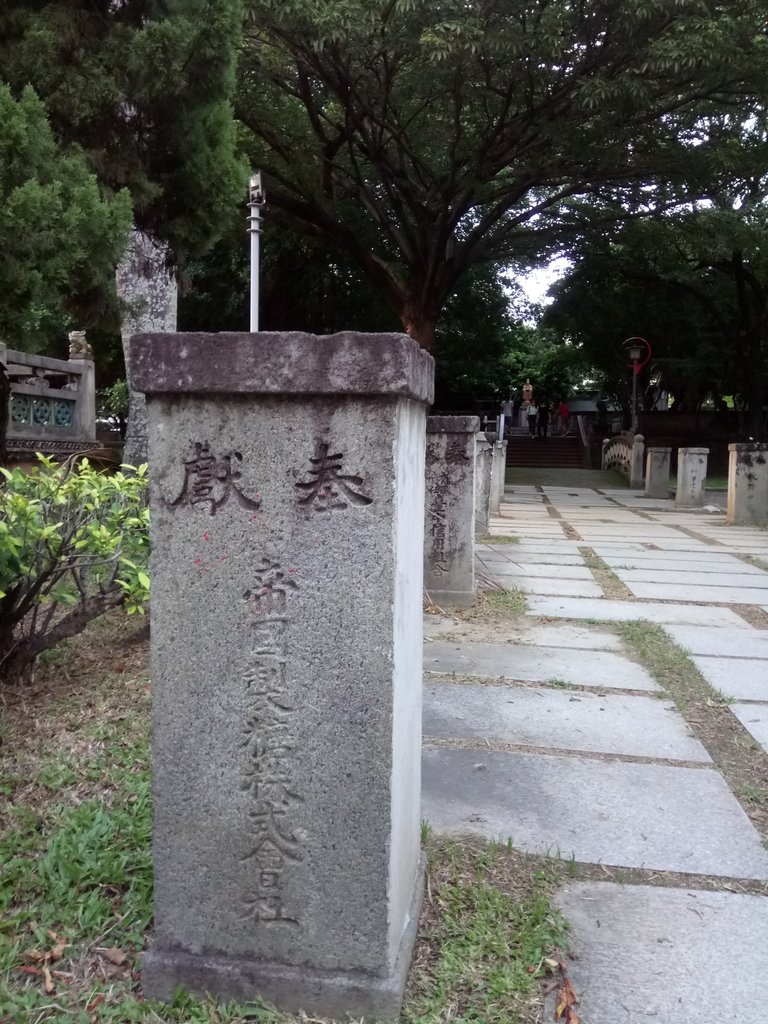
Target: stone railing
[617, 454]
[52, 402]
[624, 453]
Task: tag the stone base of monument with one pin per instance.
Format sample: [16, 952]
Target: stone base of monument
[293, 989]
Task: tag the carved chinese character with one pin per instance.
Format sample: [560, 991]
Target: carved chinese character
[211, 481]
[268, 597]
[267, 832]
[328, 487]
[456, 451]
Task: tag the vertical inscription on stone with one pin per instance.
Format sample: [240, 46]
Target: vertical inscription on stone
[270, 745]
[327, 487]
[211, 481]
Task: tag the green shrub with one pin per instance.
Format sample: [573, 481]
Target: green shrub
[73, 543]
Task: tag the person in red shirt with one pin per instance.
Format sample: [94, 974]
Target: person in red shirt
[564, 414]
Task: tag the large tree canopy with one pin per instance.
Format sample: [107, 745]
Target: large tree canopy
[424, 138]
[695, 284]
[58, 236]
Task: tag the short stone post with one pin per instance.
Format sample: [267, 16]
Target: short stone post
[287, 497]
[691, 474]
[81, 353]
[449, 543]
[747, 483]
[483, 469]
[498, 475]
[657, 472]
[606, 442]
[636, 466]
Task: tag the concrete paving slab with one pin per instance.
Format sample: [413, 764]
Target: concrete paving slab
[742, 678]
[555, 587]
[537, 665]
[524, 570]
[533, 558]
[754, 718]
[558, 719]
[632, 611]
[673, 956]
[683, 592]
[702, 577]
[665, 562]
[634, 815]
[724, 643]
[570, 636]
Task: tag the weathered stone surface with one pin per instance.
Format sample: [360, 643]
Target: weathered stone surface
[498, 474]
[556, 587]
[449, 532]
[754, 718]
[538, 665]
[740, 678]
[558, 719]
[657, 472]
[483, 481]
[149, 295]
[691, 475]
[282, 364]
[634, 815]
[674, 956]
[747, 483]
[286, 670]
[636, 464]
[602, 610]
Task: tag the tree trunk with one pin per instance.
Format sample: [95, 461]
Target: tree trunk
[420, 324]
[148, 292]
[755, 389]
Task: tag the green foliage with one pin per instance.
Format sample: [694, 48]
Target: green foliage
[144, 88]
[73, 543]
[58, 235]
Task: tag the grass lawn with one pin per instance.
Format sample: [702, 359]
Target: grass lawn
[76, 878]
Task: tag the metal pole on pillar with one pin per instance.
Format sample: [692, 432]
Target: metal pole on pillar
[256, 199]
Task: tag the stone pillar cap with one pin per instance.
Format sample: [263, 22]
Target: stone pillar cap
[639, 437]
[749, 446]
[281, 363]
[694, 451]
[658, 448]
[453, 424]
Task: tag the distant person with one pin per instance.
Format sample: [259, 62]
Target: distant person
[564, 414]
[543, 420]
[533, 413]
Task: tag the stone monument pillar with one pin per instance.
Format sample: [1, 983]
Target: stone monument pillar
[657, 472]
[287, 497]
[449, 543]
[636, 465]
[498, 475]
[747, 483]
[483, 470]
[691, 474]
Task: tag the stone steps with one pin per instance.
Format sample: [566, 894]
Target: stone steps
[554, 452]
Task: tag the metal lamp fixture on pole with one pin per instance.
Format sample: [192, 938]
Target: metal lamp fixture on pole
[636, 349]
[256, 199]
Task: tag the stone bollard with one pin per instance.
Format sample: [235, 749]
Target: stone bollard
[691, 474]
[498, 475]
[747, 483]
[606, 442]
[449, 543]
[657, 472]
[483, 471]
[636, 466]
[287, 496]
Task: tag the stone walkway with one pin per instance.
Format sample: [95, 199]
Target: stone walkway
[546, 731]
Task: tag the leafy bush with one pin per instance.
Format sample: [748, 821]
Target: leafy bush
[73, 543]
